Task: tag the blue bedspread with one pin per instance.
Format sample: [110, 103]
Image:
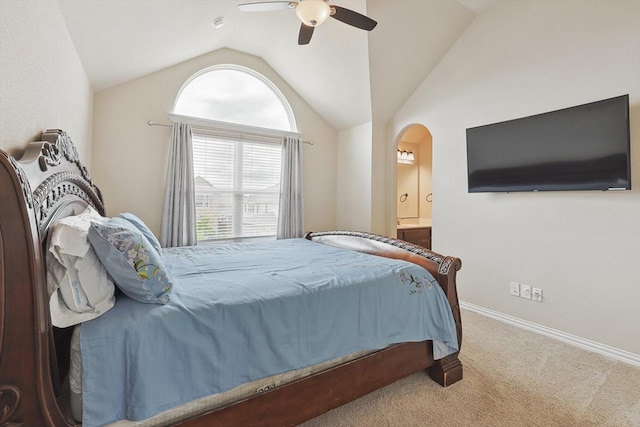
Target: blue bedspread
[240, 312]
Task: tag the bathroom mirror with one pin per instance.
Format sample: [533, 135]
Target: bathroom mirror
[407, 191]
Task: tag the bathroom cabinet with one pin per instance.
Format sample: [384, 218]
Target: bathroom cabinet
[420, 236]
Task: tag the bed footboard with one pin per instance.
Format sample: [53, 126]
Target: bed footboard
[445, 371]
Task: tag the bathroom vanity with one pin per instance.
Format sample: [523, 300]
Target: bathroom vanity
[418, 233]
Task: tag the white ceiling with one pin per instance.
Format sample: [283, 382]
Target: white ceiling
[347, 75]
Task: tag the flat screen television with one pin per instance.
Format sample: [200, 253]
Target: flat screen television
[586, 147]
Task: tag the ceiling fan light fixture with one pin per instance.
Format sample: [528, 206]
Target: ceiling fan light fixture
[313, 12]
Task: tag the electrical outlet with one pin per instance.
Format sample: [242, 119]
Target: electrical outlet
[514, 289]
[536, 294]
[525, 291]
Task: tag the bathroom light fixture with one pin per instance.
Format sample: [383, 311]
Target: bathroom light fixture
[405, 156]
[313, 12]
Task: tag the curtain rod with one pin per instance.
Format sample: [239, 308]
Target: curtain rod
[152, 123]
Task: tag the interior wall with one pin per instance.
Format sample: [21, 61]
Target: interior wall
[381, 153]
[354, 157]
[131, 157]
[362, 183]
[581, 248]
[43, 84]
[426, 176]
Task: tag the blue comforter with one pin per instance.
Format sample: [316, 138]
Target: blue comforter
[240, 312]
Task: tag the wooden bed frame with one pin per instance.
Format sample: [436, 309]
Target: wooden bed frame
[49, 182]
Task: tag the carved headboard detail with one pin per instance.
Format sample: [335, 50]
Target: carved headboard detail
[56, 151]
[46, 183]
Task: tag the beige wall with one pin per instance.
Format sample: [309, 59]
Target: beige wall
[426, 176]
[130, 157]
[380, 153]
[42, 81]
[354, 178]
[362, 178]
[581, 248]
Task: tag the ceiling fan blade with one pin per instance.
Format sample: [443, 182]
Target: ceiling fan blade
[304, 37]
[353, 18]
[267, 6]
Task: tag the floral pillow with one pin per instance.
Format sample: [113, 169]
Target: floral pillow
[133, 263]
[140, 225]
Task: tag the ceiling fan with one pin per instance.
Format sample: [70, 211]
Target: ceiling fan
[313, 13]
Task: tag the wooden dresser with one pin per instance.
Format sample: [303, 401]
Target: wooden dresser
[420, 236]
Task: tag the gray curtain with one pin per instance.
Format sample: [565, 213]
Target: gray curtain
[179, 211]
[291, 215]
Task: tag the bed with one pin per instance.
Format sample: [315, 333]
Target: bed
[49, 183]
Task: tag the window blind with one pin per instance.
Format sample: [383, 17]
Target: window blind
[237, 187]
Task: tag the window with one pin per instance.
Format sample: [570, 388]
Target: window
[234, 94]
[238, 119]
[237, 188]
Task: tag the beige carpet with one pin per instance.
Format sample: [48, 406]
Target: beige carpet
[512, 377]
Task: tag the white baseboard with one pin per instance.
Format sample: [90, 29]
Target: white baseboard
[604, 350]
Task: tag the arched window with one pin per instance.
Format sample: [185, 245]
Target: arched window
[238, 119]
[234, 94]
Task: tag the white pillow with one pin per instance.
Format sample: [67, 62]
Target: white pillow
[79, 287]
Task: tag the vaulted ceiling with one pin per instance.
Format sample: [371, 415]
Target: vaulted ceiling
[349, 76]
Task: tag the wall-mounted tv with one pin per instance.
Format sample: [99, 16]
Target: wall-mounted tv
[586, 147]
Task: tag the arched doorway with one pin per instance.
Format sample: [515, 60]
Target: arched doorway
[414, 192]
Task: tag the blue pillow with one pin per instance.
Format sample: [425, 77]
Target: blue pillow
[134, 265]
[140, 225]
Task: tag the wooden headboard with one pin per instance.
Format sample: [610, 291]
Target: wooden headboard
[47, 183]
